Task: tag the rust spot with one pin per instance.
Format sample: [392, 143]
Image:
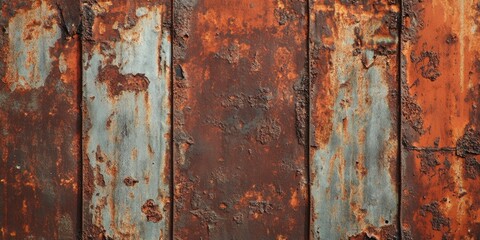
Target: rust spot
[282, 16]
[472, 168]
[411, 111]
[231, 53]
[99, 179]
[301, 101]
[469, 143]
[205, 215]
[362, 236]
[238, 218]
[129, 181]
[451, 38]
[117, 83]
[259, 100]
[438, 220]
[268, 131]
[152, 211]
[87, 20]
[477, 65]
[428, 161]
[412, 20]
[429, 63]
[371, 233]
[260, 207]
[99, 155]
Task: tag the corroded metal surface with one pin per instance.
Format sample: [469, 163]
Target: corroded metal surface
[126, 119]
[441, 119]
[239, 119]
[354, 147]
[267, 95]
[39, 119]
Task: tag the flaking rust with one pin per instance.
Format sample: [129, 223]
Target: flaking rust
[126, 119]
[440, 120]
[40, 120]
[354, 94]
[240, 110]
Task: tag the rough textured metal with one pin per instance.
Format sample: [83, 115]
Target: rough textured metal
[441, 119]
[39, 119]
[126, 77]
[240, 119]
[268, 95]
[354, 147]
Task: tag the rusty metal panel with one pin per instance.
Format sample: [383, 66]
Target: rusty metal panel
[240, 119]
[39, 119]
[354, 148]
[126, 119]
[440, 119]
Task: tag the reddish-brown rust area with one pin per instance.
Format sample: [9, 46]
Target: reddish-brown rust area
[389, 232]
[440, 120]
[240, 95]
[118, 83]
[129, 181]
[151, 210]
[40, 133]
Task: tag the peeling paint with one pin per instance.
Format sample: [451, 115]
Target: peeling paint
[32, 33]
[353, 186]
[126, 95]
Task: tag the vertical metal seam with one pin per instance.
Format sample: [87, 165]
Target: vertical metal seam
[399, 123]
[172, 111]
[308, 157]
[82, 160]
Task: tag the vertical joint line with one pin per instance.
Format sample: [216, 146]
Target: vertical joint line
[80, 208]
[308, 160]
[399, 123]
[172, 110]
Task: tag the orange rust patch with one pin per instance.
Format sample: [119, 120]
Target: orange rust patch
[118, 83]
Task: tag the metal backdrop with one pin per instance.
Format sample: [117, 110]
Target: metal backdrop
[240, 119]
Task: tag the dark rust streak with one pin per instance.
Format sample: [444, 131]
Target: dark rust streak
[400, 70]
[431, 149]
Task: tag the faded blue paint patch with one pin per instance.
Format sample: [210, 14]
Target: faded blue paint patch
[130, 132]
[352, 189]
[31, 35]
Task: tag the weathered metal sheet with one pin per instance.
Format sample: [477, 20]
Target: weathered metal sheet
[39, 119]
[441, 119]
[240, 119]
[126, 121]
[354, 97]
